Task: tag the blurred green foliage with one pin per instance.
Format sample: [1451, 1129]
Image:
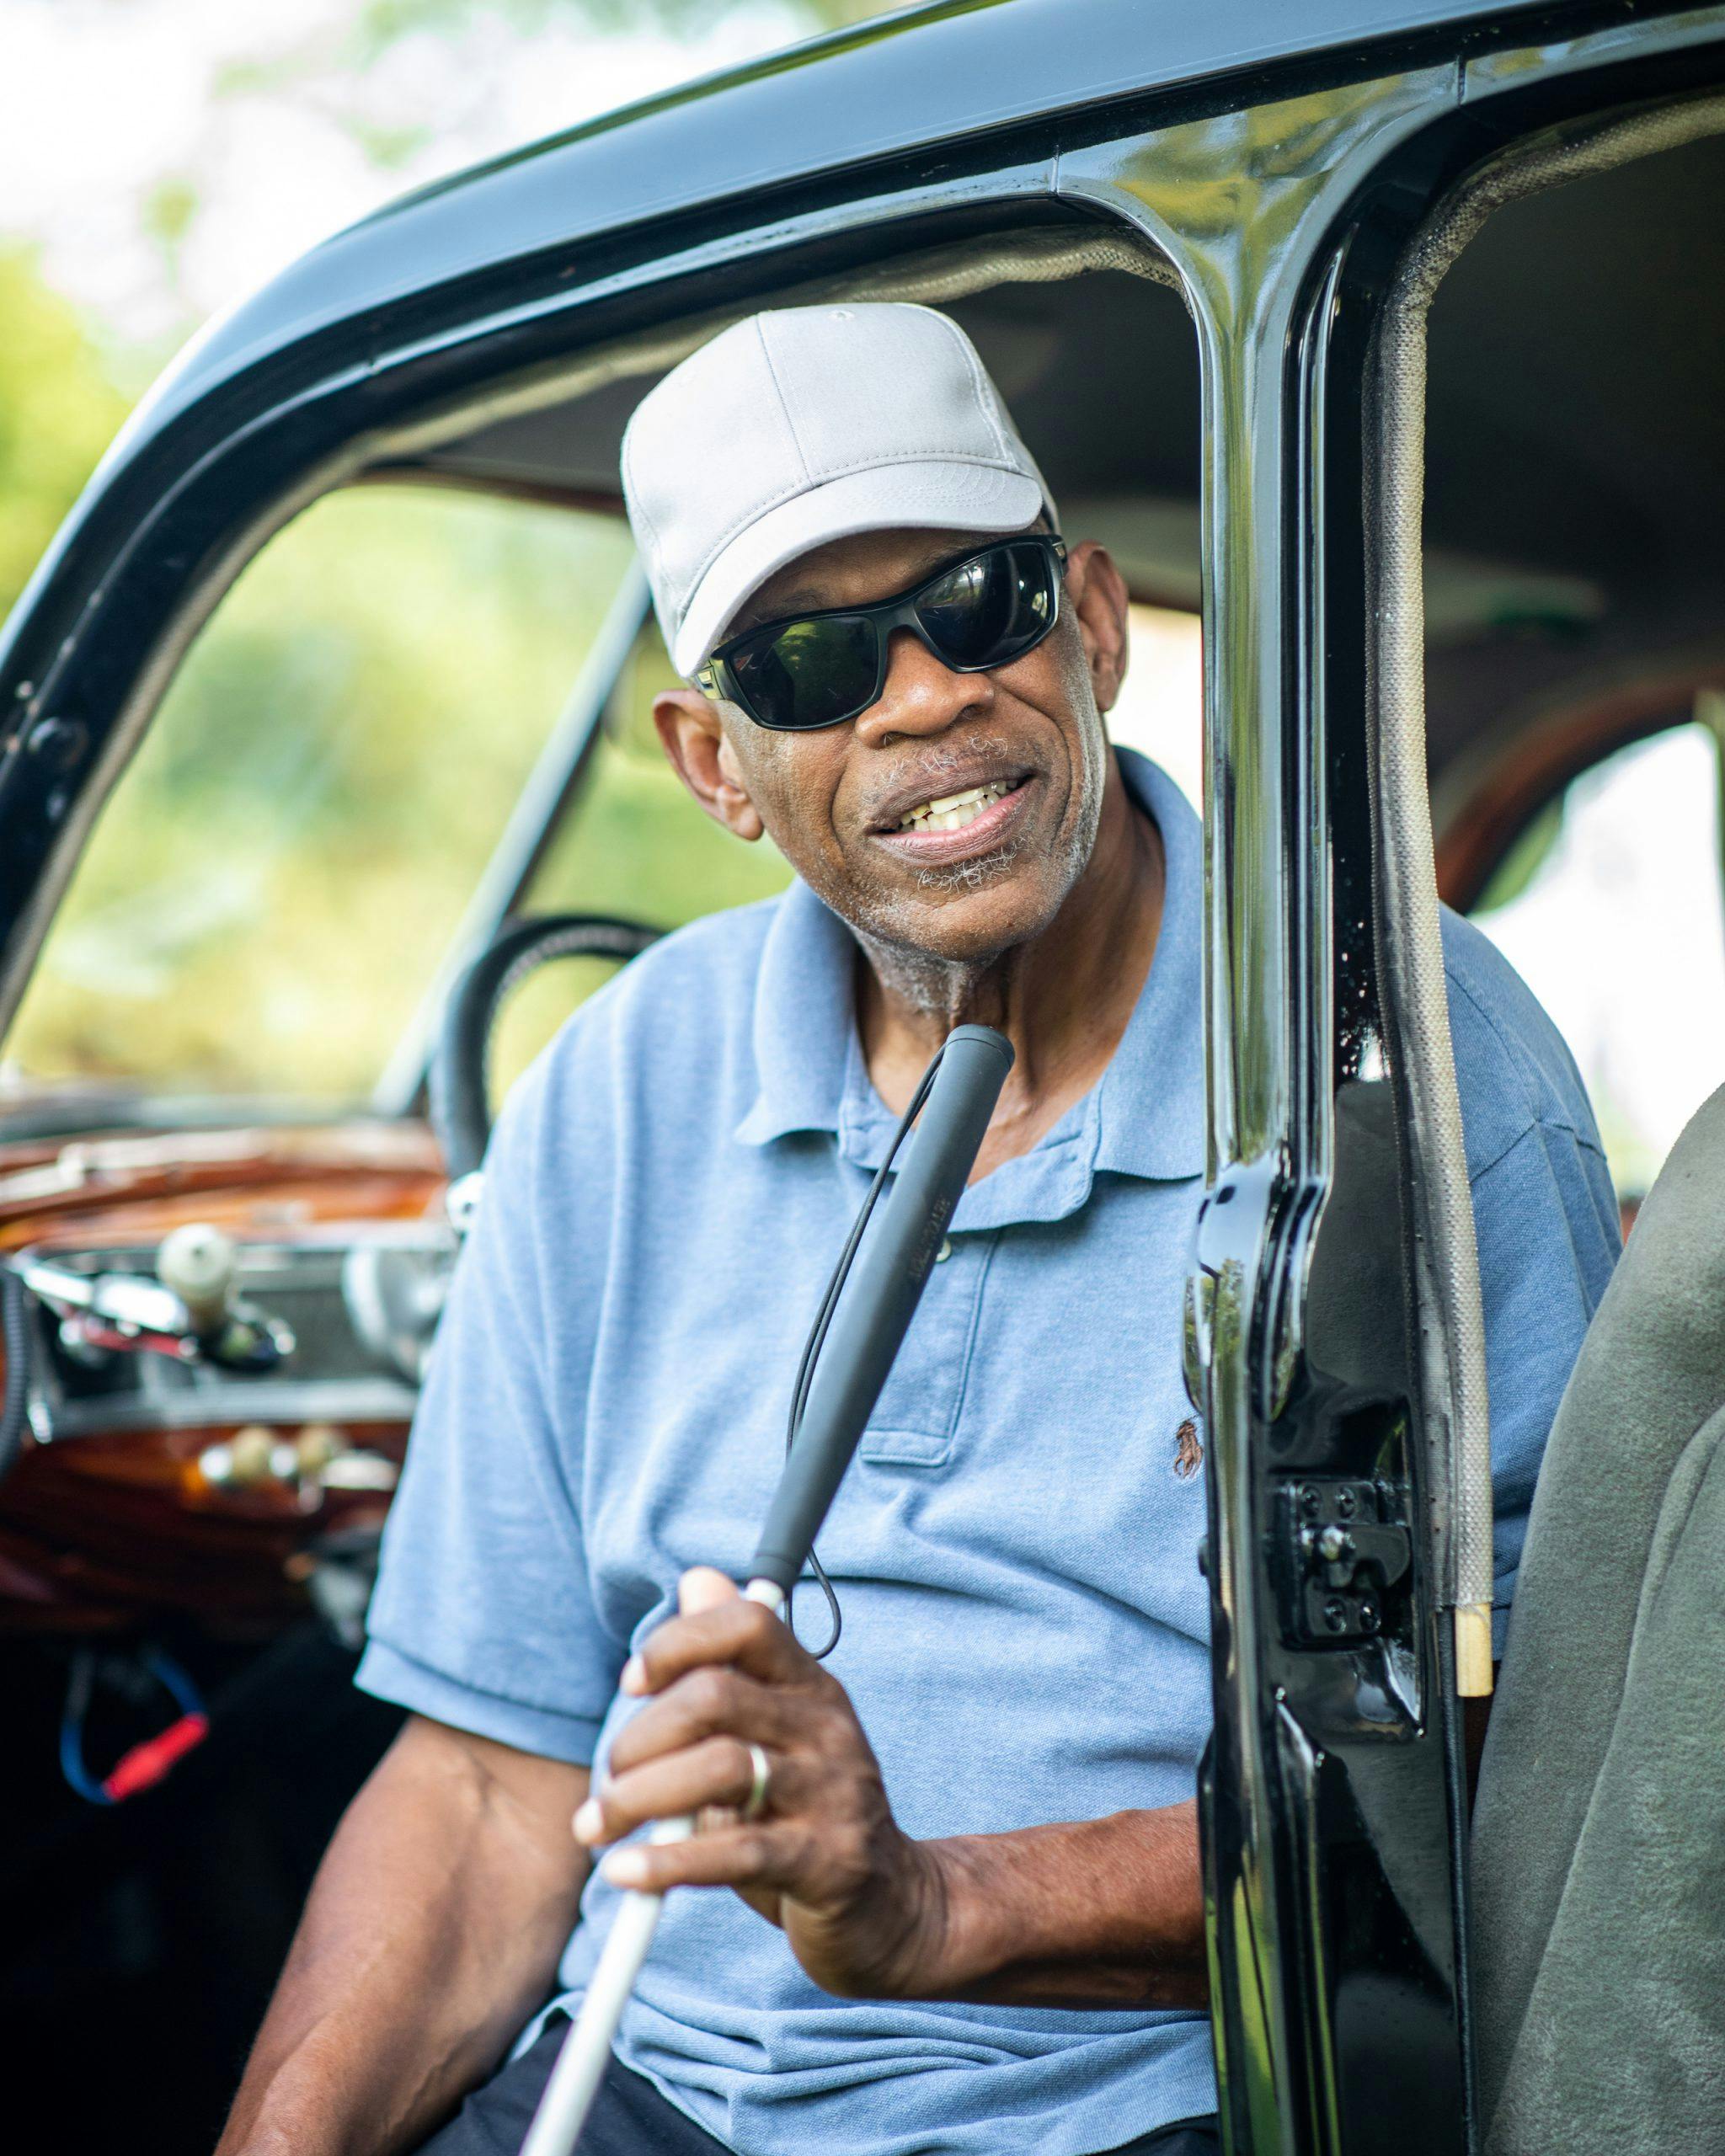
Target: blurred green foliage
[58, 412]
[276, 881]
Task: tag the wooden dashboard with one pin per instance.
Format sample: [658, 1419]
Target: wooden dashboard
[148, 1485]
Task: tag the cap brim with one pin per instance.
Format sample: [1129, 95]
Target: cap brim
[937, 496]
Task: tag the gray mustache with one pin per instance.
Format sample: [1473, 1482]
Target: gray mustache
[935, 766]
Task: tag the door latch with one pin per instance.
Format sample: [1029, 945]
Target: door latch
[1344, 1548]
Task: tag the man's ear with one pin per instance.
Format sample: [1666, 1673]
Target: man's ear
[1096, 591]
[694, 739]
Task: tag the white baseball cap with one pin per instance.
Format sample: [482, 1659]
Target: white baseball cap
[807, 425]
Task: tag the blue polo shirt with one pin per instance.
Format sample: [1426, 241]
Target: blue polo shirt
[1025, 1629]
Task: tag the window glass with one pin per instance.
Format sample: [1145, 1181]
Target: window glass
[1609, 908]
[276, 876]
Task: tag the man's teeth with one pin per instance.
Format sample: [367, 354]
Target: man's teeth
[951, 812]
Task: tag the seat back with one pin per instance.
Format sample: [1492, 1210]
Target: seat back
[1599, 1836]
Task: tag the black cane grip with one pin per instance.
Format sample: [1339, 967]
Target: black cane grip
[875, 1310]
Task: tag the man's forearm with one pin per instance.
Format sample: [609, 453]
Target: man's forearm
[1106, 1914]
[431, 1933]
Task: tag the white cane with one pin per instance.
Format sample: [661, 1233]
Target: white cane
[857, 1341]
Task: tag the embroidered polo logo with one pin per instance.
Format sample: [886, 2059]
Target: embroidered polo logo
[1189, 1450]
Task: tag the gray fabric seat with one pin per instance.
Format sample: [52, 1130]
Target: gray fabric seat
[1598, 1838]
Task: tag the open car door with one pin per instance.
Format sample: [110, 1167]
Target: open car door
[1335, 1333]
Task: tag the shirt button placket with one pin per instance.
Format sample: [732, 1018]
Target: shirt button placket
[916, 1416]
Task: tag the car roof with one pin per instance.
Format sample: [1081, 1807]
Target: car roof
[948, 73]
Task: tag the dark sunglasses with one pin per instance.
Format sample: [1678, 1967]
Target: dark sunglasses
[819, 670]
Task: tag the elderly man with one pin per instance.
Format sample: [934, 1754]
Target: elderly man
[945, 1895]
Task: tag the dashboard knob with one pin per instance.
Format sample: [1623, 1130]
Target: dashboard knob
[246, 1460]
[198, 1262]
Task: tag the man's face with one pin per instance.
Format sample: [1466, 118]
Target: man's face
[1023, 748]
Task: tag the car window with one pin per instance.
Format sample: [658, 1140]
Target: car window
[1609, 906]
[632, 843]
[273, 883]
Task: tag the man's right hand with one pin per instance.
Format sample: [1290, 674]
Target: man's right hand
[433, 1931]
[727, 1681]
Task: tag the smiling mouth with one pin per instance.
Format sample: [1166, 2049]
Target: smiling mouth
[952, 812]
[961, 827]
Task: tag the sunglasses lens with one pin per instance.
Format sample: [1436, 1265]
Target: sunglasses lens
[809, 674]
[989, 610]
[984, 612]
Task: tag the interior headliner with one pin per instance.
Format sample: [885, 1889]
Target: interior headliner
[1575, 453]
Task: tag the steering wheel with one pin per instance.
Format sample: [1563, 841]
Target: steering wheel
[459, 1081]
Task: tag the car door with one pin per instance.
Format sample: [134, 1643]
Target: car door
[1335, 1331]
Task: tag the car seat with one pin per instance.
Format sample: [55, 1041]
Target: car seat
[1598, 1834]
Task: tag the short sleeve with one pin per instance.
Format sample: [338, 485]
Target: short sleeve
[1545, 1219]
[483, 1615]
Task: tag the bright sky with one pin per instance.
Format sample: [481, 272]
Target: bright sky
[109, 98]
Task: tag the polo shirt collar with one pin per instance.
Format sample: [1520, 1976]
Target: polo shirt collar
[805, 1020]
[1144, 1118]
